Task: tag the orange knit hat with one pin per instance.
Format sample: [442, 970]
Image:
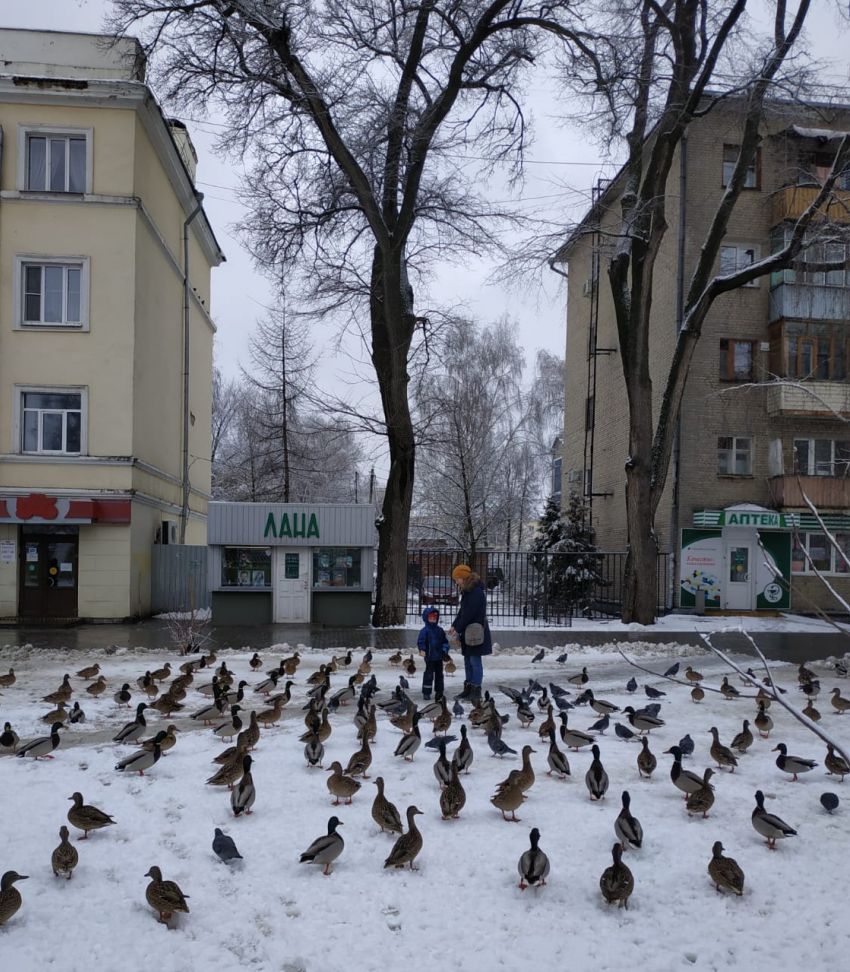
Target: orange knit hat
[461, 572]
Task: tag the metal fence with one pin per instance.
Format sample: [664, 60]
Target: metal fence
[528, 587]
[178, 578]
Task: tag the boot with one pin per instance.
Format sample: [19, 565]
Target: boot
[466, 693]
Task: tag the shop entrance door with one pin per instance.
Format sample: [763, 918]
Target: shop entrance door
[292, 585]
[740, 575]
[48, 573]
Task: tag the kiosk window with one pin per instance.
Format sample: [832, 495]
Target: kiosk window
[246, 567]
[336, 567]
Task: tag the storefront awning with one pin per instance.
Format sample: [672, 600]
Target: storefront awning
[754, 516]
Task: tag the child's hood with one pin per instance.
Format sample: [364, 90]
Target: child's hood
[427, 612]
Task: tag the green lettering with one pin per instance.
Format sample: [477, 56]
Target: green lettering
[733, 519]
[270, 527]
[313, 527]
[285, 530]
[295, 531]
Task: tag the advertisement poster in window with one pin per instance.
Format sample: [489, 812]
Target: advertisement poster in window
[701, 567]
[7, 551]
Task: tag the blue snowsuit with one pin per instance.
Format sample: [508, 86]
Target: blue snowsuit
[432, 642]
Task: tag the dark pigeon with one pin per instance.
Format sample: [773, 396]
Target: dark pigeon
[601, 725]
[403, 682]
[623, 731]
[435, 743]
[511, 693]
[686, 744]
[539, 656]
[224, 847]
[561, 659]
[631, 685]
[457, 710]
[829, 801]
[498, 747]
[557, 691]
[563, 704]
[672, 670]
[368, 656]
[653, 693]
[534, 685]
[652, 710]
[583, 699]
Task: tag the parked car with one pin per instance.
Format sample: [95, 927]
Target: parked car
[439, 590]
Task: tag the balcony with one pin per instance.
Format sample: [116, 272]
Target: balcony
[792, 201]
[811, 399]
[826, 492]
[809, 302]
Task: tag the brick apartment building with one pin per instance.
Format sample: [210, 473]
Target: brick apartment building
[732, 498]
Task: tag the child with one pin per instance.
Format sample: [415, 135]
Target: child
[434, 648]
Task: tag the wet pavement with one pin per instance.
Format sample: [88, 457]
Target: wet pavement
[780, 646]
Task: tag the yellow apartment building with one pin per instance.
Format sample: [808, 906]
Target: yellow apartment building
[105, 330]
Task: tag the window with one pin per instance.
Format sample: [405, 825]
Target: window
[752, 180]
[589, 411]
[588, 483]
[808, 349]
[557, 465]
[734, 257]
[736, 359]
[816, 167]
[827, 252]
[52, 421]
[52, 292]
[821, 553]
[822, 457]
[246, 567]
[734, 456]
[56, 162]
[336, 567]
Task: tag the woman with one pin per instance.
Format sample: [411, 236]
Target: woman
[473, 609]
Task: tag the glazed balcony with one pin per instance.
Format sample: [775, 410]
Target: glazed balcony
[792, 201]
[807, 302]
[826, 492]
[809, 399]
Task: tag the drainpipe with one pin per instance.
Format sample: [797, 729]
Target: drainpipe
[184, 515]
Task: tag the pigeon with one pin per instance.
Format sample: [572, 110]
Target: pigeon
[829, 801]
[435, 743]
[499, 748]
[651, 710]
[561, 659]
[653, 693]
[623, 731]
[539, 656]
[601, 725]
[686, 744]
[562, 704]
[403, 682]
[557, 691]
[511, 693]
[534, 685]
[224, 847]
[631, 685]
[672, 670]
[583, 699]
[457, 710]
[368, 656]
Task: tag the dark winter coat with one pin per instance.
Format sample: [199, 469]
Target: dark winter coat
[432, 639]
[473, 608]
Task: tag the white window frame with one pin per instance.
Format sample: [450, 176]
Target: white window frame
[834, 557]
[18, 417]
[68, 131]
[23, 260]
[741, 251]
[732, 452]
[812, 464]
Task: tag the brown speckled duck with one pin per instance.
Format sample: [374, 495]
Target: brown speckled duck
[725, 872]
[165, 897]
[10, 897]
[85, 817]
[66, 857]
[384, 813]
[407, 847]
[340, 786]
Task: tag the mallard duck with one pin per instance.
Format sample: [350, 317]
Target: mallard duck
[646, 761]
[770, 826]
[533, 866]
[762, 696]
[526, 773]
[165, 897]
[449, 667]
[290, 665]
[325, 849]
[243, 795]
[805, 674]
[702, 800]
[7, 681]
[360, 761]
[442, 769]
[729, 691]
[232, 727]
[66, 857]
[724, 871]
[123, 695]
[224, 673]
[744, 739]
[384, 813]
[573, 738]
[626, 827]
[43, 746]
[409, 744]
[395, 658]
[168, 741]
[697, 694]
[142, 759]
[407, 847]
[161, 674]
[369, 729]
[558, 762]
[763, 722]
[810, 712]
[547, 724]
[10, 897]
[617, 881]
[601, 706]
[268, 685]
[341, 786]
[464, 754]
[62, 694]
[85, 817]
[318, 677]
[255, 662]
[792, 764]
[319, 693]
[443, 722]
[211, 689]
[524, 714]
[582, 678]
[231, 771]
[693, 676]
[596, 779]
[840, 704]
[431, 710]
[131, 731]
[409, 666]
[9, 739]
[344, 695]
[721, 754]
[251, 734]
[165, 705]
[509, 796]
[642, 721]
[543, 701]
[148, 686]
[404, 720]
[59, 714]
[208, 714]
[89, 672]
[235, 697]
[76, 716]
[98, 687]
[683, 779]
[271, 717]
[835, 765]
[453, 797]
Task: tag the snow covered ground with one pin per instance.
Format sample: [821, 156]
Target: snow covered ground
[462, 909]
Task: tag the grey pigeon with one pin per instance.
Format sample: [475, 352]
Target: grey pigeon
[686, 744]
[561, 659]
[539, 656]
[557, 691]
[829, 801]
[511, 693]
[601, 725]
[631, 685]
[534, 685]
[368, 656]
[623, 731]
[563, 704]
[653, 693]
[672, 670]
[224, 847]
[652, 710]
[499, 748]
[435, 743]
[457, 710]
[403, 682]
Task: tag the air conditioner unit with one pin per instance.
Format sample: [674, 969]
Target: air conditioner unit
[574, 476]
[170, 531]
[587, 288]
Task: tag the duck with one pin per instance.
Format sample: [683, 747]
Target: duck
[65, 857]
[573, 738]
[314, 750]
[770, 826]
[168, 741]
[345, 661]
[533, 866]
[89, 672]
[165, 897]
[10, 897]
[683, 779]
[725, 871]
[148, 686]
[509, 797]
[369, 729]
[143, 759]
[7, 681]
[763, 722]
[792, 764]
[646, 761]
[582, 678]
[442, 769]
[840, 704]
[322, 730]
[244, 794]
[558, 762]
[62, 694]
[132, 731]
[340, 785]
[395, 658]
[526, 773]
[762, 696]
[453, 797]
[409, 667]
[76, 716]
[721, 754]
[810, 712]
[235, 697]
[227, 730]
[384, 813]
[161, 674]
[744, 739]
[596, 779]
[729, 691]
[98, 687]
[547, 724]
[464, 753]
[835, 765]
[543, 701]
[702, 800]
[59, 714]
[524, 714]
[626, 827]
[86, 817]
[166, 704]
[271, 716]
[430, 710]
[9, 739]
[404, 720]
[290, 665]
[406, 849]
[231, 771]
[693, 676]
[43, 746]
[408, 745]
[601, 706]
[617, 882]
[268, 685]
[344, 695]
[449, 667]
[642, 721]
[319, 677]
[360, 761]
[805, 674]
[811, 689]
[697, 694]
[443, 722]
[123, 695]
[325, 849]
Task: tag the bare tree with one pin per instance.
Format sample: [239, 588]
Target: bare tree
[225, 403]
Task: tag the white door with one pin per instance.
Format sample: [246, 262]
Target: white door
[292, 585]
[740, 575]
